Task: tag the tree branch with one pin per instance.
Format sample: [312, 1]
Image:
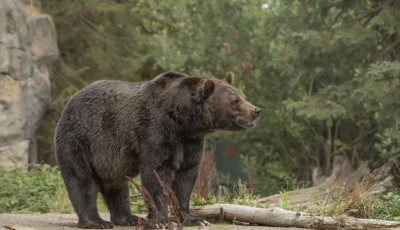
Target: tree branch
[389, 48]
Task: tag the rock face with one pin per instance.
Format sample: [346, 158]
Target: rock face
[28, 48]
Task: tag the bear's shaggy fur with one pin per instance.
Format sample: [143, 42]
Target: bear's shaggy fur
[113, 129]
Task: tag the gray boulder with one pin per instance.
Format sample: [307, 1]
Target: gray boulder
[28, 47]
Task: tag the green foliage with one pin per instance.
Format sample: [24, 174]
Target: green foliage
[138, 205]
[39, 190]
[388, 206]
[243, 196]
[387, 144]
[342, 79]
[326, 73]
[239, 193]
[283, 201]
[203, 201]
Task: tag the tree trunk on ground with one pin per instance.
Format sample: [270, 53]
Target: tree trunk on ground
[378, 181]
[278, 217]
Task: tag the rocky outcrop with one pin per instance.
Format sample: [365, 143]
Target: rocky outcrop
[28, 48]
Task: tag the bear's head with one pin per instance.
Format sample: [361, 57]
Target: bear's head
[228, 106]
[205, 103]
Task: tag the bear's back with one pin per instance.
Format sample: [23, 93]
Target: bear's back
[103, 110]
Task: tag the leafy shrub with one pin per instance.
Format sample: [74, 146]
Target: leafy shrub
[138, 204]
[388, 207]
[42, 190]
[38, 190]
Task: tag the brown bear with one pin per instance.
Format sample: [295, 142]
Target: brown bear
[113, 129]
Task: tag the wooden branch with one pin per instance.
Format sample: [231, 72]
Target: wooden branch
[389, 48]
[283, 218]
[369, 15]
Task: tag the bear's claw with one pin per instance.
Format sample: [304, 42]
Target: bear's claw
[129, 220]
[98, 224]
[197, 221]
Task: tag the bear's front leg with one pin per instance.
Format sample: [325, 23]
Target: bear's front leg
[182, 186]
[150, 182]
[186, 177]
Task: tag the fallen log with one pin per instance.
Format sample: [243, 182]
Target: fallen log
[277, 217]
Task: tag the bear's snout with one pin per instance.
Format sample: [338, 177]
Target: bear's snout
[256, 112]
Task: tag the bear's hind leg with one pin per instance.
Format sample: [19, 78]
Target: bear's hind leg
[83, 195]
[118, 203]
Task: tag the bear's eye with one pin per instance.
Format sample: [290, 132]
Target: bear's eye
[235, 102]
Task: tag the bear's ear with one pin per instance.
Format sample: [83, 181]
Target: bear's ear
[208, 88]
[229, 78]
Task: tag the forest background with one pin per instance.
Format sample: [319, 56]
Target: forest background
[326, 73]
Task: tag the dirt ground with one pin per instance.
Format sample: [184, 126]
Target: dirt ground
[68, 222]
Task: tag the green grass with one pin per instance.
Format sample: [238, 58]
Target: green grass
[240, 195]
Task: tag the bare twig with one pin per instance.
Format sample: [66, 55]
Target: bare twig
[148, 200]
[169, 198]
[252, 174]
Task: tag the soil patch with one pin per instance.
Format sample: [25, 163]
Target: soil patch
[68, 222]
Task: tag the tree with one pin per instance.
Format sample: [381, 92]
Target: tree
[343, 97]
[326, 73]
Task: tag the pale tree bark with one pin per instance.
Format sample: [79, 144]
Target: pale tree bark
[278, 217]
